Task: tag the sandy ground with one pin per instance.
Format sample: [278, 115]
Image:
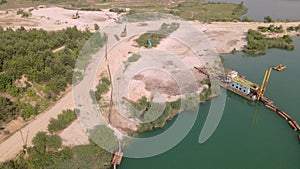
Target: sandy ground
[74, 135]
[55, 18]
[223, 37]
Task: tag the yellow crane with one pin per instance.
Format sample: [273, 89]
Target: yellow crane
[264, 83]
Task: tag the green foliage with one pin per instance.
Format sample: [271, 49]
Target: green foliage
[259, 43]
[294, 28]
[8, 109]
[102, 87]
[135, 57]
[117, 10]
[155, 38]
[90, 47]
[28, 53]
[86, 156]
[43, 142]
[90, 9]
[206, 81]
[117, 37]
[28, 111]
[3, 2]
[63, 121]
[176, 104]
[5, 81]
[239, 10]
[159, 122]
[208, 12]
[142, 104]
[246, 19]
[205, 94]
[96, 27]
[105, 136]
[268, 19]
[290, 28]
[24, 14]
[45, 151]
[271, 28]
[83, 156]
[157, 35]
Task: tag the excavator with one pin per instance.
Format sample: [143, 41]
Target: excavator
[75, 16]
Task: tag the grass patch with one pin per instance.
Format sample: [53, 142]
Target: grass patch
[211, 11]
[156, 36]
[134, 58]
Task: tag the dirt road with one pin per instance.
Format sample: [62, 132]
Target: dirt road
[12, 146]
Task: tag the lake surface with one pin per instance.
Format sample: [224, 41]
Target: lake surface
[277, 9]
[249, 135]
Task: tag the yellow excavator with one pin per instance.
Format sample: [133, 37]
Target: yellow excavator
[75, 16]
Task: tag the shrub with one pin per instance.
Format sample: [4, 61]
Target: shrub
[102, 87]
[63, 120]
[96, 26]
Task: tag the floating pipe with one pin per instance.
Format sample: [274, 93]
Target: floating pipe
[291, 123]
[282, 115]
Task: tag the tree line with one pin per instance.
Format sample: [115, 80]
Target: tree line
[31, 55]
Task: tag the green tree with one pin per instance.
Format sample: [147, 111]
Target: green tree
[5, 81]
[96, 27]
[268, 19]
[63, 120]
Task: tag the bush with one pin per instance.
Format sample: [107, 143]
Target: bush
[205, 94]
[44, 142]
[156, 36]
[63, 121]
[5, 81]
[134, 58]
[8, 110]
[117, 10]
[24, 14]
[259, 43]
[102, 87]
[268, 19]
[96, 26]
[3, 2]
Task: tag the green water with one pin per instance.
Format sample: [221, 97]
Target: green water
[249, 135]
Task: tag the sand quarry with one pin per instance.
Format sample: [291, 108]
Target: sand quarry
[224, 37]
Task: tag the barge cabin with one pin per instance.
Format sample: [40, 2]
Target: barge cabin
[238, 84]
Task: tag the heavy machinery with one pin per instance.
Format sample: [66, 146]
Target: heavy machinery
[124, 33]
[75, 16]
[264, 83]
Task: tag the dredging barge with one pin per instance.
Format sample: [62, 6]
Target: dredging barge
[236, 83]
